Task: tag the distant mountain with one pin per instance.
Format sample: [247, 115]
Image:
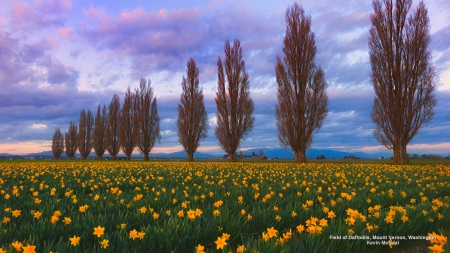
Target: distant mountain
[312, 153]
[44, 154]
[6, 154]
[280, 153]
[179, 154]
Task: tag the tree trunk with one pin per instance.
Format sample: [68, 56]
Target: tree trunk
[128, 157]
[99, 157]
[300, 156]
[146, 158]
[232, 157]
[400, 155]
[190, 157]
[114, 157]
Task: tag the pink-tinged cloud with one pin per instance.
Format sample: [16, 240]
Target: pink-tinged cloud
[64, 32]
[26, 147]
[3, 21]
[40, 14]
[166, 39]
[420, 148]
[445, 146]
[18, 10]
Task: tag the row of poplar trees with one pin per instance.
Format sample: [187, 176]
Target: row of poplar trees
[136, 124]
[402, 77]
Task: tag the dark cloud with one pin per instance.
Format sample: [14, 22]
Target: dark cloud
[12, 67]
[60, 74]
[31, 52]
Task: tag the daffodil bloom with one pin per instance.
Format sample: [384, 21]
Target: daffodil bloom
[265, 236]
[16, 213]
[323, 223]
[225, 236]
[82, 209]
[218, 203]
[240, 249]
[220, 242]
[389, 219]
[200, 249]
[29, 249]
[74, 240]
[436, 248]
[191, 214]
[67, 220]
[104, 243]
[17, 245]
[54, 218]
[6, 220]
[272, 232]
[133, 234]
[37, 215]
[98, 231]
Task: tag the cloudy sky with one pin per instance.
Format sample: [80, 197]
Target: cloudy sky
[58, 57]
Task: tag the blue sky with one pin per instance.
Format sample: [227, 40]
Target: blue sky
[60, 56]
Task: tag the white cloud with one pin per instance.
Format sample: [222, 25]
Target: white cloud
[38, 126]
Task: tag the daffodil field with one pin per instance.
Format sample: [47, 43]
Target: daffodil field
[222, 207]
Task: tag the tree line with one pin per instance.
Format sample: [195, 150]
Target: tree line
[402, 76]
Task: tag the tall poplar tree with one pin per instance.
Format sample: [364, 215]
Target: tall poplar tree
[112, 140]
[234, 104]
[85, 131]
[403, 76]
[192, 119]
[57, 144]
[302, 98]
[99, 140]
[128, 124]
[71, 140]
[147, 123]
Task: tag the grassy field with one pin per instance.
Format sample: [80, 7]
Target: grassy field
[101, 206]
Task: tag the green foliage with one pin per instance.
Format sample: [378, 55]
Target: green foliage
[256, 197]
